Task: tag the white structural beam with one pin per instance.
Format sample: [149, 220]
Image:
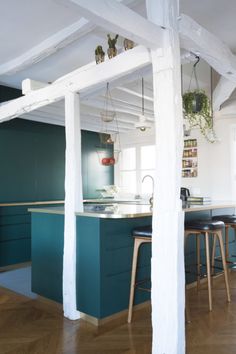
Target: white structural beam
[118, 18]
[36, 118]
[73, 202]
[87, 119]
[134, 75]
[136, 107]
[47, 47]
[222, 92]
[32, 85]
[134, 93]
[198, 40]
[50, 45]
[168, 278]
[121, 107]
[121, 118]
[80, 80]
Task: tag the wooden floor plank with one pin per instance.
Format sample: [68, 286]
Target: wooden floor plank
[30, 326]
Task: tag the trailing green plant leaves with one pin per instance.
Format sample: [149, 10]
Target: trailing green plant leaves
[197, 110]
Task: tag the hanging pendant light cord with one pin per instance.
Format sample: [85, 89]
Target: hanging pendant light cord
[142, 97]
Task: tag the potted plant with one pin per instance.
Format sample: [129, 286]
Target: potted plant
[198, 112]
[99, 54]
[112, 51]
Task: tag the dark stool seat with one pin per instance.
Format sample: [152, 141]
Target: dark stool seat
[230, 222]
[143, 231]
[141, 234]
[208, 228]
[227, 219]
[205, 225]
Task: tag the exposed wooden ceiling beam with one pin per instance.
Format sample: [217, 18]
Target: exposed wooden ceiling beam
[121, 118]
[120, 108]
[133, 108]
[32, 85]
[51, 45]
[222, 92]
[47, 47]
[111, 126]
[36, 118]
[80, 80]
[134, 93]
[122, 81]
[86, 121]
[54, 112]
[118, 18]
[198, 40]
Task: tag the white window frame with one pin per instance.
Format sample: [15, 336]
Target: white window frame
[138, 169]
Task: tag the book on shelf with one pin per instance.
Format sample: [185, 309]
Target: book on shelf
[208, 202]
[193, 199]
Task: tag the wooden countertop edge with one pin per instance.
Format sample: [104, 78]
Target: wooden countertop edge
[33, 203]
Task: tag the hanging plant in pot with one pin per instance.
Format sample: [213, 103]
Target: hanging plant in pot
[198, 111]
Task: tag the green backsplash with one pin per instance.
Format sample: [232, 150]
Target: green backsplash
[32, 160]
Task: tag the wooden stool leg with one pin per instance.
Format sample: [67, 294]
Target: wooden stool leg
[187, 311]
[213, 254]
[222, 251]
[234, 238]
[198, 246]
[137, 243]
[227, 242]
[208, 270]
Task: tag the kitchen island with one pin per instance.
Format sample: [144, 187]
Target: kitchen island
[104, 253]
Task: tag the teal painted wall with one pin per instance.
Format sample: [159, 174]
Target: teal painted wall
[32, 160]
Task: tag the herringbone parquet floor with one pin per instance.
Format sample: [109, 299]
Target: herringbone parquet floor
[34, 327]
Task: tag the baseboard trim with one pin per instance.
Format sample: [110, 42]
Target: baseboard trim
[15, 266]
[122, 315]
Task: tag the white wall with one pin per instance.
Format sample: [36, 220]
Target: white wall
[216, 162]
[200, 184]
[222, 154]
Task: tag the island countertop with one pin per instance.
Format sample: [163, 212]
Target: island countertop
[119, 211]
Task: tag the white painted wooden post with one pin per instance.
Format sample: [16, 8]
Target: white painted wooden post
[168, 277]
[73, 201]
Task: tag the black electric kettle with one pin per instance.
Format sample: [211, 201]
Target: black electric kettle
[184, 194]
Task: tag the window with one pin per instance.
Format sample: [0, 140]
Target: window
[135, 163]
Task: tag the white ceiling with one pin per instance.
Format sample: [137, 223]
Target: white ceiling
[26, 23]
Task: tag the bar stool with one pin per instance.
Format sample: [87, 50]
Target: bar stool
[142, 234]
[206, 228]
[230, 221]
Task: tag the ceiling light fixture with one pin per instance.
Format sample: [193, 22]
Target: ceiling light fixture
[142, 124]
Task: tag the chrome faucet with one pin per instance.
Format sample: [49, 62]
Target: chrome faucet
[151, 199]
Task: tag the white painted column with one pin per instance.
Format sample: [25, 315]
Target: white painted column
[73, 201]
[168, 277]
